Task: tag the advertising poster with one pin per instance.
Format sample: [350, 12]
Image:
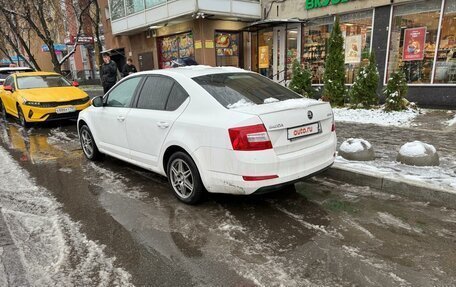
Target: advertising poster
[414, 43]
[227, 44]
[353, 49]
[263, 54]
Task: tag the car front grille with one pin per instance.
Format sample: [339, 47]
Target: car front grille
[67, 103]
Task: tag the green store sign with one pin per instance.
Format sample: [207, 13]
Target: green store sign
[313, 4]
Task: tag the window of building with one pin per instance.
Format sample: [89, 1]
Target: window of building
[413, 40]
[227, 48]
[117, 9]
[357, 31]
[445, 70]
[154, 93]
[152, 3]
[315, 37]
[174, 47]
[134, 6]
[265, 52]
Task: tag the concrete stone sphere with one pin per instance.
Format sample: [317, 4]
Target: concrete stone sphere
[418, 154]
[357, 150]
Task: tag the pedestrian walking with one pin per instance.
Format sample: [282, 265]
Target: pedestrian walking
[129, 68]
[108, 72]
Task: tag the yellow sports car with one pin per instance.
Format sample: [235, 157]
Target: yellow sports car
[41, 96]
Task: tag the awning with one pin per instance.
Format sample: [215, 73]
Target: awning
[57, 47]
[268, 23]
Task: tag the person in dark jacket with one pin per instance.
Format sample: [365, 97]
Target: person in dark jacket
[129, 68]
[108, 73]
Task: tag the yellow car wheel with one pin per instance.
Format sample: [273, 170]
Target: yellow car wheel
[22, 119]
[2, 110]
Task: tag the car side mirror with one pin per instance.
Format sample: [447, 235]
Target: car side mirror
[8, 88]
[75, 84]
[97, 102]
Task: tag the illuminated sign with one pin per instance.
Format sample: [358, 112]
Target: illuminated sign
[312, 4]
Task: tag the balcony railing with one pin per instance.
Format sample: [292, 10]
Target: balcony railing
[127, 15]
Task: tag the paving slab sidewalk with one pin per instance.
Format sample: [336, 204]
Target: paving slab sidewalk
[432, 128]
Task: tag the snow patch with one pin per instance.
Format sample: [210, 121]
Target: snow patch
[377, 117]
[271, 100]
[416, 149]
[393, 221]
[51, 246]
[355, 145]
[241, 104]
[452, 122]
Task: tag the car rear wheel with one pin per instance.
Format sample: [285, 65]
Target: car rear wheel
[21, 116]
[88, 144]
[184, 178]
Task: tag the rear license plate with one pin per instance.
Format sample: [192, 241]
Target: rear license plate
[303, 131]
[65, 110]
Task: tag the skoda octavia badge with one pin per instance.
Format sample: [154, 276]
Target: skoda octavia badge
[310, 115]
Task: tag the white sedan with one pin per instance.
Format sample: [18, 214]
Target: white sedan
[221, 130]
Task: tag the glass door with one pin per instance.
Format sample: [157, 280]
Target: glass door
[279, 68]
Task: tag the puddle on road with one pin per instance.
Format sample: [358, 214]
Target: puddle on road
[323, 233]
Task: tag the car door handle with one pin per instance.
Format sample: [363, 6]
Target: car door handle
[121, 118]
[163, 125]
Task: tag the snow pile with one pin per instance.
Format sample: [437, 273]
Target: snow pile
[377, 117]
[355, 145]
[271, 100]
[452, 122]
[51, 246]
[417, 149]
[241, 104]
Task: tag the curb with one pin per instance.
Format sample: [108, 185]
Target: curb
[408, 188]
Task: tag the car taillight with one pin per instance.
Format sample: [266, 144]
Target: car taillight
[333, 128]
[258, 178]
[250, 138]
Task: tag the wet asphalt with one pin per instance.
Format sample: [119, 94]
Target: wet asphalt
[319, 233]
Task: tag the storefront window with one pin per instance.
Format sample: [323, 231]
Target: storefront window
[117, 9]
[413, 40]
[357, 31]
[265, 52]
[445, 70]
[314, 46]
[174, 47]
[227, 48]
[152, 3]
[292, 50]
[134, 6]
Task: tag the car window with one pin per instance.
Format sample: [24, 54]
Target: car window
[176, 98]
[234, 89]
[8, 81]
[155, 93]
[123, 93]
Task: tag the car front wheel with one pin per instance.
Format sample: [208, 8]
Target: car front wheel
[2, 110]
[184, 178]
[88, 144]
[21, 116]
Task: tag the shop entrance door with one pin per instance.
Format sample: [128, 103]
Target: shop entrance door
[279, 55]
[286, 49]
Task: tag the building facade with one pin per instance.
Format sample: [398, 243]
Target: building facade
[154, 32]
[418, 37]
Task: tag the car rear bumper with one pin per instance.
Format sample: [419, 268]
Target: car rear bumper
[223, 170]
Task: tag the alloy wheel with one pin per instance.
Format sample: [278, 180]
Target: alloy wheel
[182, 178]
[87, 143]
[21, 117]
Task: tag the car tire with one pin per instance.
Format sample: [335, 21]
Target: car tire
[88, 145]
[184, 178]
[2, 110]
[21, 117]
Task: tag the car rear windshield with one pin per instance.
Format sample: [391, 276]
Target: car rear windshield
[36, 82]
[234, 90]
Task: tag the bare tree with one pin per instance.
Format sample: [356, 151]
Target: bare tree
[45, 18]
